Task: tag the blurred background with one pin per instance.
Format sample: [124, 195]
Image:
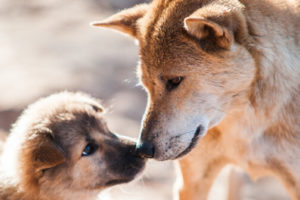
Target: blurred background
[48, 46]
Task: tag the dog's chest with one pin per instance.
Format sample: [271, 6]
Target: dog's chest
[258, 153]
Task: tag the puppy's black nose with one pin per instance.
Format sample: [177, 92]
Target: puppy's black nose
[145, 150]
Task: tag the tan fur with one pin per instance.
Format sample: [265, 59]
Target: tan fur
[43, 156]
[240, 65]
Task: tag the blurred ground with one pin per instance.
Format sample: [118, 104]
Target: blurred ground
[47, 46]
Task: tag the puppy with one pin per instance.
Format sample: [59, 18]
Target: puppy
[60, 148]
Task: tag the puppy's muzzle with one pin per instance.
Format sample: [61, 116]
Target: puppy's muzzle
[145, 150]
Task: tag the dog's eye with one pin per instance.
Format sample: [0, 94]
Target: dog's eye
[174, 82]
[89, 149]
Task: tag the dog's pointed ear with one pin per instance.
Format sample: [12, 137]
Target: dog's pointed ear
[46, 153]
[203, 29]
[124, 21]
[216, 23]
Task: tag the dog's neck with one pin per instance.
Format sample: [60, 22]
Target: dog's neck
[276, 87]
[271, 106]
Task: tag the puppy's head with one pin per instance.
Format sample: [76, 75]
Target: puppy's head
[62, 147]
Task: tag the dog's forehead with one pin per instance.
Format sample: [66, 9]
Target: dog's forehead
[166, 17]
[172, 61]
[163, 41]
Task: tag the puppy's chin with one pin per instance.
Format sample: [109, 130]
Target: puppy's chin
[117, 181]
[121, 180]
[127, 172]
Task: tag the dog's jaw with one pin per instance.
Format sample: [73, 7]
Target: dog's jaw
[183, 145]
[198, 133]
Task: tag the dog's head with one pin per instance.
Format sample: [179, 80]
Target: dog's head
[195, 65]
[64, 149]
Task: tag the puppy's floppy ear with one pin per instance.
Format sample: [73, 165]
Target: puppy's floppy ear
[216, 22]
[124, 21]
[45, 152]
[38, 152]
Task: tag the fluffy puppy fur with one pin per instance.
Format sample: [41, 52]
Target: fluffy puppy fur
[60, 148]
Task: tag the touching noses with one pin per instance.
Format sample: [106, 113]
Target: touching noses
[145, 150]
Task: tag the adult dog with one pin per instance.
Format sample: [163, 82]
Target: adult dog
[225, 71]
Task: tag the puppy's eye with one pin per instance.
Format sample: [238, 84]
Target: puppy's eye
[89, 149]
[174, 82]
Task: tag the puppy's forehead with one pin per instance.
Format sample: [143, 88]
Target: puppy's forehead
[76, 118]
[99, 127]
[78, 129]
[88, 121]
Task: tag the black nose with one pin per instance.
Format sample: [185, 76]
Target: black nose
[145, 150]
